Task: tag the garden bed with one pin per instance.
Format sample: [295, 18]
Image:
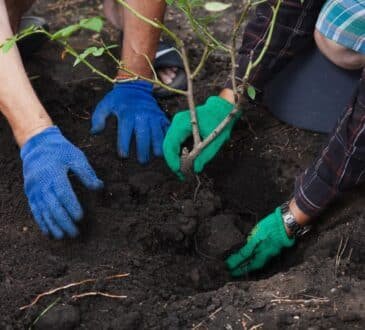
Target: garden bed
[172, 237]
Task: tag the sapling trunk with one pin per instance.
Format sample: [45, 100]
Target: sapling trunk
[210, 44]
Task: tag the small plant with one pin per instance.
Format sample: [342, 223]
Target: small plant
[210, 44]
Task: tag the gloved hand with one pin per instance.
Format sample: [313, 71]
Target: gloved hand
[265, 241]
[210, 115]
[137, 112]
[47, 159]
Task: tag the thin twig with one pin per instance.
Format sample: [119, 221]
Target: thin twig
[340, 251]
[301, 301]
[190, 96]
[67, 286]
[210, 317]
[97, 293]
[45, 311]
[203, 59]
[236, 29]
[197, 188]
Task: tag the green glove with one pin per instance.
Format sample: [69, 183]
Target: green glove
[265, 241]
[210, 115]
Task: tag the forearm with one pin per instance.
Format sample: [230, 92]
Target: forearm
[140, 38]
[18, 101]
[340, 165]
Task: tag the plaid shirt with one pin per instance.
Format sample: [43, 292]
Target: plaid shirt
[341, 164]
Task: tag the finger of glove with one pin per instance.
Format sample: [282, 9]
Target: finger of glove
[60, 216]
[68, 200]
[178, 132]
[157, 138]
[85, 173]
[242, 256]
[165, 126]
[125, 131]
[54, 229]
[99, 117]
[37, 214]
[256, 263]
[143, 140]
[209, 152]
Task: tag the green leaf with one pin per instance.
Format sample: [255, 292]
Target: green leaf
[94, 51]
[216, 6]
[8, 44]
[251, 91]
[94, 24]
[98, 52]
[66, 32]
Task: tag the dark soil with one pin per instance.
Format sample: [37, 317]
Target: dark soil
[146, 223]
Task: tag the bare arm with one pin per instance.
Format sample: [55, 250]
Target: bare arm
[18, 101]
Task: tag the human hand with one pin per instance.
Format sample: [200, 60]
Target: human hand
[265, 241]
[137, 113]
[210, 115]
[47, 159]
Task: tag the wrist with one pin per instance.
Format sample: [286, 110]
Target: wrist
[137, 67]
[301, 218]
[228, 95]
[294, 220]
[23, 135]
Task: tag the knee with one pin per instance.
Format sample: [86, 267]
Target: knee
[339, 55]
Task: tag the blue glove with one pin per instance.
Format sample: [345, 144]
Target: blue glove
[47, 159]
[137, 112]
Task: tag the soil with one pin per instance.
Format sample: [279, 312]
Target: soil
[147, 223]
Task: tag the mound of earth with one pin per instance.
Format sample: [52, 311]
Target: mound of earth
[170, 237]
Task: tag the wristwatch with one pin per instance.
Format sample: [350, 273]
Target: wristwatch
[289, 220]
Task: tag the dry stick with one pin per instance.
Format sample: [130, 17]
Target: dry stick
[50, 292]
[257, 326]
[211, 317]
[341, 250]
[301, 301]
[97, 293]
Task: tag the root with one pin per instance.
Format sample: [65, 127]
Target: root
[67, 286]
[340, 251]
[97, 293]
[196, 191]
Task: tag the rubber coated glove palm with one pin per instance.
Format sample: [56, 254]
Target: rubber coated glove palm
[210, 115]
[47, 159]
[265, 241]
[137, 112]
